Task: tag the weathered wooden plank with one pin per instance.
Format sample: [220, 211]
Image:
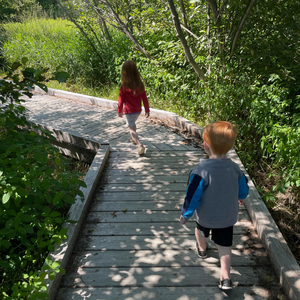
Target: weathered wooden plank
[52, 109]
[100, 131]
[85, 123]
[123, 144]
[171, 186]
[242, 242]
[194, 154]
[112, 134]
[167, 293]
[160, 276]
[170, 172]
[90, 128]
[168, 228]
[58, 118]
[174, 160]
[136, 205]
[135, 178]
[121, 206]
[112, 128]
[158, 258]
[169, 137]
[134, 196]
[155, 165]
[147, 216]
[38, 103]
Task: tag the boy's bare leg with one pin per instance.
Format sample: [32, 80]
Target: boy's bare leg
[201, 240]
[134, 135]
[225, 260]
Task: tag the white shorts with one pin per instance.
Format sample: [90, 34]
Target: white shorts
[131, 119]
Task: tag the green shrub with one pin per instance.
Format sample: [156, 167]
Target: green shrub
[36, 192]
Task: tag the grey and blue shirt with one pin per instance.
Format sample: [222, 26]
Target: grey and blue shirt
[215, 186]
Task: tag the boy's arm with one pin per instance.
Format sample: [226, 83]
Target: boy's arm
[243, 188]
[192, 199]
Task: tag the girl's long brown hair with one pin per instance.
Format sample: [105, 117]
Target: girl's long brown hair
[131, 77]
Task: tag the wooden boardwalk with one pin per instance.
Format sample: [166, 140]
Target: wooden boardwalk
[132, 245]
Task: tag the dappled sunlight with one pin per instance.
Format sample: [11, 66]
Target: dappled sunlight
[132, 245]
[151, 280]
[129, 280]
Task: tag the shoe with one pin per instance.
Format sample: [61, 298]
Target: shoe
[132, 141]
[141, 150]
[201, 254]
[225, 284]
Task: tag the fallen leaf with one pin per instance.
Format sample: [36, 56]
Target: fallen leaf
[125, 210]
[268, 278]
[114, 214]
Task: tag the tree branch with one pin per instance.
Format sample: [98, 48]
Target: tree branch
[183, 41]
[241, 25]
[125, 30]
[102, 22]
[80, 28]
[188, 31]
[183, 12]
[214, 8]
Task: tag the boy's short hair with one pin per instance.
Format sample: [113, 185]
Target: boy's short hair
[220, 136]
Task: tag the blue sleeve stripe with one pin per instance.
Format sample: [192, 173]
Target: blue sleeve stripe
[193, 194]
[243, 187]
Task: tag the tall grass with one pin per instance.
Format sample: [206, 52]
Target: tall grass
[46, 43]
[58, 45]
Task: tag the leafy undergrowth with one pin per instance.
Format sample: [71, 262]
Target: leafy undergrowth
[286, 208]
[78, 166]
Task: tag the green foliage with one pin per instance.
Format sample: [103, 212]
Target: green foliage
[36, 191]
[16, 10]
[255, 86]
[57, 44]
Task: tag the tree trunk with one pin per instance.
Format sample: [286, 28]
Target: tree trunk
[241, 25]
[183, 41]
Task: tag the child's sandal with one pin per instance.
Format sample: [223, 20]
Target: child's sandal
[141, 150]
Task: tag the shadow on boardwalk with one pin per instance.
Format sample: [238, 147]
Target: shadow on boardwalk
[132, 245]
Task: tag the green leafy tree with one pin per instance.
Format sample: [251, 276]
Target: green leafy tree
[36, 191]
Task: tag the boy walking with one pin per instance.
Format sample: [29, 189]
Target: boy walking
[216, 187]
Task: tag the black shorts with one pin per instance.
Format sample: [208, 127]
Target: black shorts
[221, 236]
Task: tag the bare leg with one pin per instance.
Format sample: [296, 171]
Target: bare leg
[201, 240]
[225, 260]
[134, 135]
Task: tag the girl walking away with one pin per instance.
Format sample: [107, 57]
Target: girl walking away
[132, 92]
